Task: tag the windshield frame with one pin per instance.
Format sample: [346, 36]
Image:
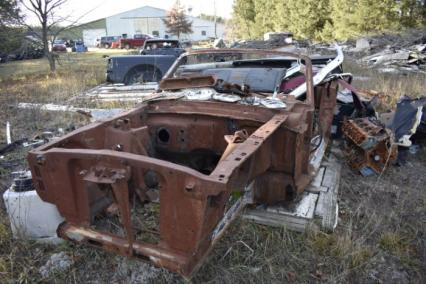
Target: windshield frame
[307, 62]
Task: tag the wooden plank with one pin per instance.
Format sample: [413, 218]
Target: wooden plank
[304, 209]
[316, 184]
[317, 205]
[280, 216]
[327, 207]
[317, 156]
[124, 88]
[276, 220]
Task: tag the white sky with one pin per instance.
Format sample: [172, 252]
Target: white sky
[96, 9]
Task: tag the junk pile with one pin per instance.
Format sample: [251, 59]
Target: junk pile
[215, 138]
[396, 60]
[392, 53]
[212, 133]
[35, 141]
[375, 141]
[387, 53]
[270, 40]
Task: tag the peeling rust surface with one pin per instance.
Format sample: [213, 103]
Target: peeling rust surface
[368, 144]
[189, 156]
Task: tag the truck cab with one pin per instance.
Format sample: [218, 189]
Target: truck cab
[156, 57]
[159, 46]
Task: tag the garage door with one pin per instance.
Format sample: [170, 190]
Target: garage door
[90, 36]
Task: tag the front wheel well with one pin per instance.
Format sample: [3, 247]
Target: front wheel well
[148, 69]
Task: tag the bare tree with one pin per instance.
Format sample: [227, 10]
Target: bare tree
[51, 23]
[176, 21]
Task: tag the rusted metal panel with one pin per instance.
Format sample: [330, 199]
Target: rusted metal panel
[188, 82]
[190, 154]
[369, 145]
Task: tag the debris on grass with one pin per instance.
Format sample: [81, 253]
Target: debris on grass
[58, 262]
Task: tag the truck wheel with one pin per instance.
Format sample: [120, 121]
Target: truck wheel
[106, 45]
[127, 46]
[142, 74]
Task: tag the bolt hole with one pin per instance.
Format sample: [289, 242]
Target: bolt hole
[222, 176]
[243, 154]
[163, 135]
[237, 159]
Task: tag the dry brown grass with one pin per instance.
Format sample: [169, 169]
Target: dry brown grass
[380, 237]
[392, 86]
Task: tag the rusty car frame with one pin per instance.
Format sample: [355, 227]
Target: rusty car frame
[188, 158]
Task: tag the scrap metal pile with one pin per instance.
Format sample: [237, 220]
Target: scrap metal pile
[396, 60]
[393, 53]
[159, 182]
[369, 145]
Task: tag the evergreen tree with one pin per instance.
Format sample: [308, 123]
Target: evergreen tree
[307, 18]
[176, 21]
[9, 13]
[281, 22]
[244, 18]
[11, 33]
[373, 15]
[341, 24]
[265, 15]
[325, 19]
[412, 13]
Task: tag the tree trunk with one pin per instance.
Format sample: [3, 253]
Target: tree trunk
[52, 63]
[49, 55]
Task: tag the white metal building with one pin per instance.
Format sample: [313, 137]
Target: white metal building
[148, 20]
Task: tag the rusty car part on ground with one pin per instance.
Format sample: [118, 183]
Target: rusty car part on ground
[369, 145]
[193, 155]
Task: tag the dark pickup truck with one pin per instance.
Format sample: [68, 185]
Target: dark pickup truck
[157, 55]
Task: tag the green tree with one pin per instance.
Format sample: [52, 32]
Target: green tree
[341, 24]
[11, 34]
[243, 18]
[412, 13]
[265, 16]
[373, 15]
[176, 21]
[281, 22]
[10, 13]
[211, 18]
[326, 19]
[353, 18]
[307, 18]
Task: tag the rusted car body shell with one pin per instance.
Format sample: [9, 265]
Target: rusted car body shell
[79, 172]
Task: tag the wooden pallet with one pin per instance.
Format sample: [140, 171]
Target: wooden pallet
[317, 208]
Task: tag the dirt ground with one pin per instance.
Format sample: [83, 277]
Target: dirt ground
[380, 237]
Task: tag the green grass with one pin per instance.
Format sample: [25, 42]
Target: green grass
[389, 86]
[68, 62]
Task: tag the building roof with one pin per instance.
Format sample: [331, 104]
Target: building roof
[144, 7]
